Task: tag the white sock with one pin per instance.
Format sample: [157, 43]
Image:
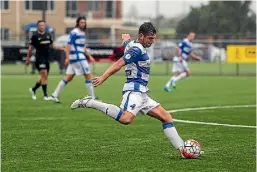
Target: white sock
[59, 88]
[172, 134]
[179, 77]
[169, 82]
[109, 109]
[90, 88]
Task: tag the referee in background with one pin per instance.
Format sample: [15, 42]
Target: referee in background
[43, 43]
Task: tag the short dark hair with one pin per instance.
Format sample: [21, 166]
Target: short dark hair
[78, 20]
[39, 21]
[147, 28]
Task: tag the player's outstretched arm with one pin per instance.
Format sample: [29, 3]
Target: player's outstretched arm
[193, 55]
[57, 48]
[115, 67]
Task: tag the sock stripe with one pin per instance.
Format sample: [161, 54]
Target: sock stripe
[65, 82]
[119, 115]
[168, 125]
[88, 81]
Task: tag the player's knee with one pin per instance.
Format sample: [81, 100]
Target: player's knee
[188, 73]
[125, 120]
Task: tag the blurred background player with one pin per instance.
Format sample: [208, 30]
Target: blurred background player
[76, 59]
[180, 67]
[135, 98]
[43, 43]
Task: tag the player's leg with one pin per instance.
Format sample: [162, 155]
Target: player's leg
[168, 126]
[155, 110]
[55, 95]
[181, 71]
[43, 78]
[70, 72]
[85, 69]
[129, 107]
[89, 85]
[36, 86]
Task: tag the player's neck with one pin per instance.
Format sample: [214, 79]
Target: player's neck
[41, 33]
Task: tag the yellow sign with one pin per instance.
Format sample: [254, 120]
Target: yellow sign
[241, 53]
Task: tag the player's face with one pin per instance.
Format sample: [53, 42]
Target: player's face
[148, 40]
[82, 24]
[41, 27]
[191, 36]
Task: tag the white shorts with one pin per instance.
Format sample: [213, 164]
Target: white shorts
[78, 68]
[135, 102]
[178, 66]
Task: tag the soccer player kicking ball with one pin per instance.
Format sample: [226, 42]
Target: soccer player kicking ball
[135, 98]
[180, 67]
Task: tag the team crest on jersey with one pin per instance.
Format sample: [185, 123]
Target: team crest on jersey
[128, 56]
[47, 37]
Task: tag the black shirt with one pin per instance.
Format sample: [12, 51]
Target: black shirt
[42, 44]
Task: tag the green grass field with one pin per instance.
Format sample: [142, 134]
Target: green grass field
[40, 136]
[163, 68]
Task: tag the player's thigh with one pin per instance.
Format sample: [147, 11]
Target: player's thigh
[43, 68]
[82, 68]
[185, 66]
[177, 67]
[70, 69]
[155, 110]
[132, 102]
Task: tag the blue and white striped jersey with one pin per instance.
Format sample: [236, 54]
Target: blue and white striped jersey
[77, 41]
[137, 67]
[185, 47]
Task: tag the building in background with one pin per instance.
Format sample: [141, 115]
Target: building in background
[102, 17]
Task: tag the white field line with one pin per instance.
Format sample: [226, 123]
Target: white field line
[212, 123]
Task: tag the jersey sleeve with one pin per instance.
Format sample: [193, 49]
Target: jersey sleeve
[126, 43]
[72, 38]
[181, 44]
[33, 40]
[134, 54]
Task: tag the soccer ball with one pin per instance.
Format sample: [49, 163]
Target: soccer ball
[191, 149]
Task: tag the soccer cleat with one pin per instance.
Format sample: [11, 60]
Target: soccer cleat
[181, 152]
[81, 103]
[173, 84]
[167, 89]
[33, 94]
[55, 99]
[46, 98]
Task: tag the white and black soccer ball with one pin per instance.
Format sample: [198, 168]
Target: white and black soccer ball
[191, 149]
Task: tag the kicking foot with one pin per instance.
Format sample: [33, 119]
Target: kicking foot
[55, 99]
[33, 94]
[167, 89]
[82, 103]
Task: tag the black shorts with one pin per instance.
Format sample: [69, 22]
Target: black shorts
[42, 66]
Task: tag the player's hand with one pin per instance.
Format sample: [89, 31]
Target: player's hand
[27, 62]
[67, 62]
[97, 81]
[125, 37]
[91, 59]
